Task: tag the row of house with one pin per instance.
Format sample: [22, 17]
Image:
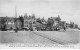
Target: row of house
[30, 22]
[9, 23]
[12, 22]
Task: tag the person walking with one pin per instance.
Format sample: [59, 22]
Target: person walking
[64, 27]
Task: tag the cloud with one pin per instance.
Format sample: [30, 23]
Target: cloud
[6, 1]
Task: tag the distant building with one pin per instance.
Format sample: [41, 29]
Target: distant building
[56, 20]
[43, 21]
[10, 24]
[29, 21]
[38, 26]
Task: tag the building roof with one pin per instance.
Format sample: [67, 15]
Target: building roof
[10, 19]
[29, 17]
[3, 18]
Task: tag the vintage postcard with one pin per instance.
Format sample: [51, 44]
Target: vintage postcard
[40, 23]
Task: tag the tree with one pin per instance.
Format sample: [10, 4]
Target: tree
[58, 19]
[76, 26]
[3, 25]
[71, 24]
[50, 23]
[39, 20]
[22, 20]
[62, 23]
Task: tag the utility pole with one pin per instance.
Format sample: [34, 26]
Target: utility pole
[16, 18]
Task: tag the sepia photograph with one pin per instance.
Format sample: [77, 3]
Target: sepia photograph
[44, 22]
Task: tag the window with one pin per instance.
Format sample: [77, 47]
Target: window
[26, 25]
[26, 22]
[34, 22]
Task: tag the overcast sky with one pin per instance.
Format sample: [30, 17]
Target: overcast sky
[69, 10]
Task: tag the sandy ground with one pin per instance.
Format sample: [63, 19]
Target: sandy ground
[71, 36]
[44, 37]
[23, 37]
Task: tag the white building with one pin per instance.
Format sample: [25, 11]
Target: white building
[29, 21]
